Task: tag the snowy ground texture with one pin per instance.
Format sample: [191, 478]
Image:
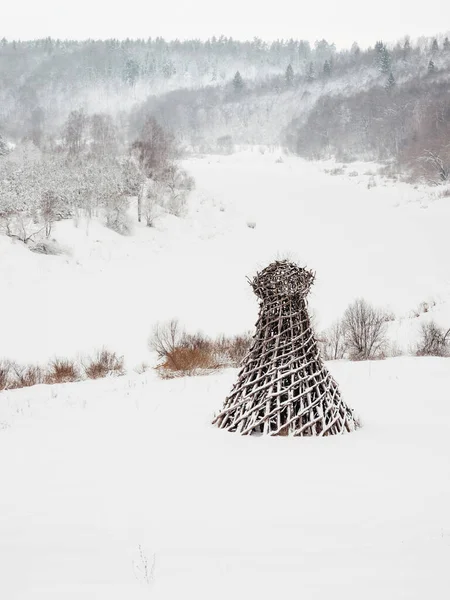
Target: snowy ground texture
[90, 472]
[121, 489]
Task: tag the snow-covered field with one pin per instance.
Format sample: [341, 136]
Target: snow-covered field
[90, 472]
[121, 488]
[388, 244]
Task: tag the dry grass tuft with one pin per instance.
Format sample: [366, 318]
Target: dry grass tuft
[105, 363]
[62, 370]
[25, 376]
[185, 353]
[189, 360]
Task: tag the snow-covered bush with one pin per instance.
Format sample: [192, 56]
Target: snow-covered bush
[153, 201]
[178, 185]
[5, 369]
[116, 215]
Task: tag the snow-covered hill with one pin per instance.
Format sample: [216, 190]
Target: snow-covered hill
[122, 488]
[386, 243]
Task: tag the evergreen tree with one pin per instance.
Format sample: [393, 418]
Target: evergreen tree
[131, 72]
[390, 83]
[3, 147]
[327, 68]
[434, 47]
[406, 48]
[431, 67]
[238, 83]
[356, 51]
[289, 76]
[379, 46]
[446, 46]
[384, 60]
[310, 75]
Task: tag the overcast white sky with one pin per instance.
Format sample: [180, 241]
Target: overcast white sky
[339, 21]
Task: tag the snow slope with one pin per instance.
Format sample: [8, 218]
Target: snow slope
[387, 244]
[121, 488]
[95, 473]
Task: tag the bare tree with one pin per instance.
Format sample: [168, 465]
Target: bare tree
[155, 148]
[103, 135]
[332, 342]
[438, 166]
[433, 341]
[166, 337]
[154, 152]
[74, 132]
[364, 329]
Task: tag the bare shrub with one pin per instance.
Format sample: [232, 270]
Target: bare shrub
[188, 353]
[153, 201]
[424, 307]
[364, 329]
[142, 368]
[433, 341]
[48, 247]
[189, 360]
[5, 370]
[335, 171]
[394, 349]
[232, 350]
[251, 224]
[116, 215]
[178, 185]
[26, 375]
[353, 174]
[62, 370]
[104, 363]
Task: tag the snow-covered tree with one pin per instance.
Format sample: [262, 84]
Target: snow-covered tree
[431, 67]
[103, 135]
[383, 59]
[310, 74]
[289, 76]
[74, 133]
[238, 83]
[390, 83]
[327, 69]
[131, 72]
[3, 147]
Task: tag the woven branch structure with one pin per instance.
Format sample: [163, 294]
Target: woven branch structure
[283, 386]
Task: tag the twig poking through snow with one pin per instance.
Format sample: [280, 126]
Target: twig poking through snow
[143, 570]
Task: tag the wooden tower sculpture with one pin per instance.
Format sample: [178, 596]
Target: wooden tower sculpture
[283, 386]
